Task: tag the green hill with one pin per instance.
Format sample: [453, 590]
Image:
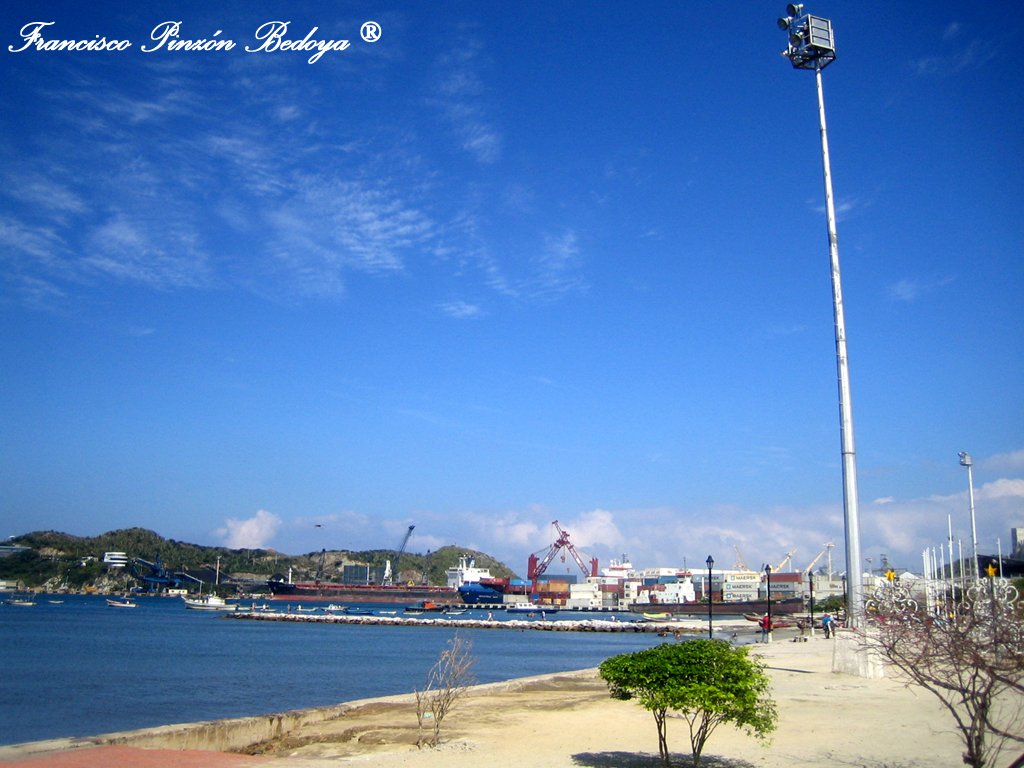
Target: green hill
[53, 559]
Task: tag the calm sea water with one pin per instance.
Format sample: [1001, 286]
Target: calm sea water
[81, 668]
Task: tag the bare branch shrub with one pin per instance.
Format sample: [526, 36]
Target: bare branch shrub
[447, 681]
[971, 658]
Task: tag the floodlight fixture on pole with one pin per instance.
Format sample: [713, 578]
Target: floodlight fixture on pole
[710, 562]
[812, 46]
[965, 461]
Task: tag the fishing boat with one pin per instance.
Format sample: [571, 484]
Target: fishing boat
[425, 606]
[209, 603]
[23, 602]
[121, 602]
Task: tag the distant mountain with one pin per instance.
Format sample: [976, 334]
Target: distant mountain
[56, 557]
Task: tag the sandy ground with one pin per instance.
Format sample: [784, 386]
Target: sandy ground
[569, 721]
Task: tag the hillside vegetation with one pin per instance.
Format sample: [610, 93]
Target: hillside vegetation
[54, 559]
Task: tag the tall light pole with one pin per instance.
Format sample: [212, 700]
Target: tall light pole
[965, 461]
[811, 46]
[768, 595]
[710, 563]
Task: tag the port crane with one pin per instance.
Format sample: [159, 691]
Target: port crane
[537, 566]
[787, 559]
[740, 564]
[388, 580]
[817, 557]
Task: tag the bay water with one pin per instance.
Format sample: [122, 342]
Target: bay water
[81, 668]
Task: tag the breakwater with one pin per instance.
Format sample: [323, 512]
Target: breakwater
[582, 625]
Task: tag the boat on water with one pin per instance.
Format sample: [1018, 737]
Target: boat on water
[426, 606]
[121, 602]
[209, 603]
[22, 602]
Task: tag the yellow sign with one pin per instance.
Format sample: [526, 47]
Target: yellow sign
[890, 575]
[991, 571]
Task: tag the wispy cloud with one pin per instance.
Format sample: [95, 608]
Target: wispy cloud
[459, 92]
[909, 290]
[557, 267]
[1005, 462]
[460, 310]
[971, 55]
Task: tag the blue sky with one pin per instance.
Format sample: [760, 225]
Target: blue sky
[511, 263]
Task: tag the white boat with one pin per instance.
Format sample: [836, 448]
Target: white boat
[209, 603]
[24, 602]
[121, 602]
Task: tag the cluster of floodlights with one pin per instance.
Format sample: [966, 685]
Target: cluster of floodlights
[811, 45]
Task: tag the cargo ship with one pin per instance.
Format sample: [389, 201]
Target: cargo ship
[465, 575]
[360, 593]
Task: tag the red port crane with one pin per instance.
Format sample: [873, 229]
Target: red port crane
[536, 566]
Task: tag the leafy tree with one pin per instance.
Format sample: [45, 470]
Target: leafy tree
[708, 682]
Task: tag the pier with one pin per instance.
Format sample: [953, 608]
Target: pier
[542, 625]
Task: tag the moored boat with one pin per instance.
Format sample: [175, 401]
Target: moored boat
[121, 602]
[425, 606]
[209, 603]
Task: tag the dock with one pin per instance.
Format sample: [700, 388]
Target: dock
[541, 625]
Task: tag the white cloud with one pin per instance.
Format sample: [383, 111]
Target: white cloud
[1012, 461]
[912, 289]
[461, 310]
[254, 533]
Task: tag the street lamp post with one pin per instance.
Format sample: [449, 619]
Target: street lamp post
[768, 598]
[710, 563]
[965, 461]
[810, 602]
[811, 46]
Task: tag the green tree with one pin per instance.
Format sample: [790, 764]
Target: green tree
[708, 682]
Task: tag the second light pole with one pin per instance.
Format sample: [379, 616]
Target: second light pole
[710, 563]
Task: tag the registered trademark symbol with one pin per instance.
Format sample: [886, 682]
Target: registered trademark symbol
[370, 32]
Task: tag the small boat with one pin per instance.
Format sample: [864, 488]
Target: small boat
[55, 602]
[335, 608]
[425, 606]
[359, 612]
[209, 603]
[657, 616]
[121, 602]
[22, 602]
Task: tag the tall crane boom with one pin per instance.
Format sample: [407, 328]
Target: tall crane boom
[787, 559]
[536, 568]
[388, 578]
